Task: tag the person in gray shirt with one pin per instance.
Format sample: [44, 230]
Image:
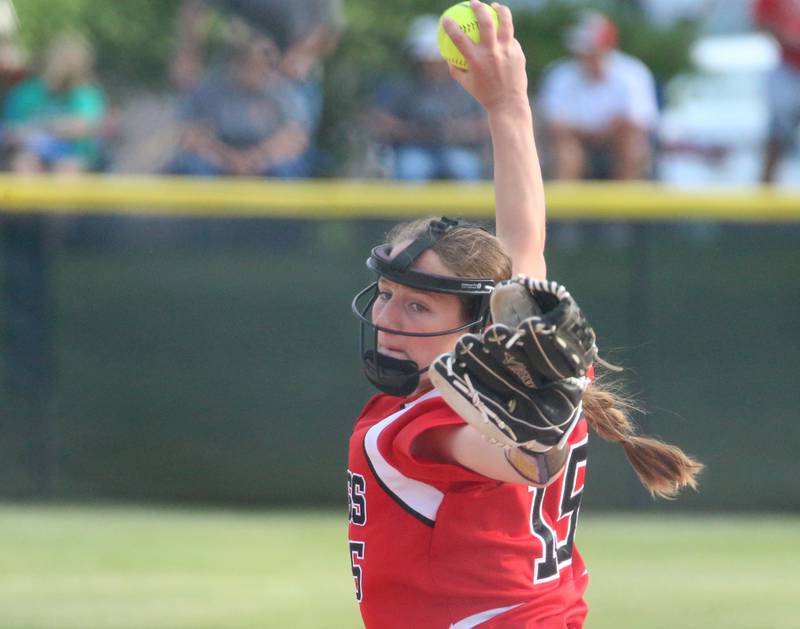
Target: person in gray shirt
[244, 119]
[429, 124]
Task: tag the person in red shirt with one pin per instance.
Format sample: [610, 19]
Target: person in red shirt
[782, 19]
[445, 529]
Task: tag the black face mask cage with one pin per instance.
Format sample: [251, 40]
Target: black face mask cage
[401, 377]
[362, 311]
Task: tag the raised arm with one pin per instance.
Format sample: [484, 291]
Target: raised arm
[496, 78]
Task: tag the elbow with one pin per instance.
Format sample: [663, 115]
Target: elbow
[533, 266]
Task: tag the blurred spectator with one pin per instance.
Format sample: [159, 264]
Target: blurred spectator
[53, 121]
[782, 19]
[667, 14]
[13, 65]
[305, 31]
[599, 107]
[245, 119]
[429, 125]
[13, 70]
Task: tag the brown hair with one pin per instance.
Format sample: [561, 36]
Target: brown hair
[69, 62]
[664, 469]
[466, 250]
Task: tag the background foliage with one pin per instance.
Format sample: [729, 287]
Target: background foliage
[135, 40]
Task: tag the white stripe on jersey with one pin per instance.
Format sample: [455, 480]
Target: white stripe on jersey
[421, 497]
[476, 619]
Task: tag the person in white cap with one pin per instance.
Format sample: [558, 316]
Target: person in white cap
[431, 127]
[599, 106]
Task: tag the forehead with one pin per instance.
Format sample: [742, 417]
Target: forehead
[427, 262]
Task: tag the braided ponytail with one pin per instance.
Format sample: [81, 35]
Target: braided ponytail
[662, 468]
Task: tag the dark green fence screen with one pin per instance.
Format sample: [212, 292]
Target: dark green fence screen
[216, 360]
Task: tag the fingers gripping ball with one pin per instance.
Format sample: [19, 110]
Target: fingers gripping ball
[467, 21]
[520, 383]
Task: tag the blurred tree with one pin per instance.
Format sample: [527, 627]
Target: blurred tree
[135, 37]
[132, 39]
[373, 45]
[134, 43]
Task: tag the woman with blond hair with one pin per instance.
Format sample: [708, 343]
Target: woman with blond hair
[52, 121]
[446, 528]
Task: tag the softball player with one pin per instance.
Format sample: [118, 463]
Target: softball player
[448, 530]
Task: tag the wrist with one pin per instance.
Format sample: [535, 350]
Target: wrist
[510, 109]
[538, 468]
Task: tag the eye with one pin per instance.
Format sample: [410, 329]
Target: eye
[384, 295]
[415, 306]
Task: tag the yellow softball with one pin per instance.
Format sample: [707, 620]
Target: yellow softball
[467, 21]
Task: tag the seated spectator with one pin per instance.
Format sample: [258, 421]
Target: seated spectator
[599, 107]
[432, 128]
[782, 19]
[246, 120]
[53, 121]
[305, 31]
[13, 65]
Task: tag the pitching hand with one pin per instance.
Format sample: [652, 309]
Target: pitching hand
[496, 73]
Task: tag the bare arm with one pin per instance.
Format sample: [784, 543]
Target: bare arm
[464, 446]
[74, 127]
[198, 138]
[497, 80]
[388, 127]
[286, 144]
[187, 66]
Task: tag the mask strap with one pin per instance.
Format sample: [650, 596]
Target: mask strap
[436, 229]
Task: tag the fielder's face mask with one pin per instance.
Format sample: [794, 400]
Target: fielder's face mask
[393, 375]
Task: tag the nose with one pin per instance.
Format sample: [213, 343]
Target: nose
[387, 314]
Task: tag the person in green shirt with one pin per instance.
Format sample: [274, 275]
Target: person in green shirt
[51, 122]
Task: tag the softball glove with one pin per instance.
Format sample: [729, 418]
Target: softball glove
[520, 382]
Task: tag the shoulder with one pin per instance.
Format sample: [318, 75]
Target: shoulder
[427, 406]
[765, 10]
[28, 88]
[628, 66]
[376, 403]
[432, 406]
[23, 99]
[391, 442]
[89, 87]
[393, 422]
[87, 92]
[561, 70]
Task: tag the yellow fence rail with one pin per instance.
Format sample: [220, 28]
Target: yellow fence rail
[346, 199]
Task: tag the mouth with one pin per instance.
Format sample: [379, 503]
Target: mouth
[394, 353]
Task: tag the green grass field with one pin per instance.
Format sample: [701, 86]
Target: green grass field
[113, 567]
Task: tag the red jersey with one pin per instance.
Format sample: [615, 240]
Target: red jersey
[782, 19]
[437, 546]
